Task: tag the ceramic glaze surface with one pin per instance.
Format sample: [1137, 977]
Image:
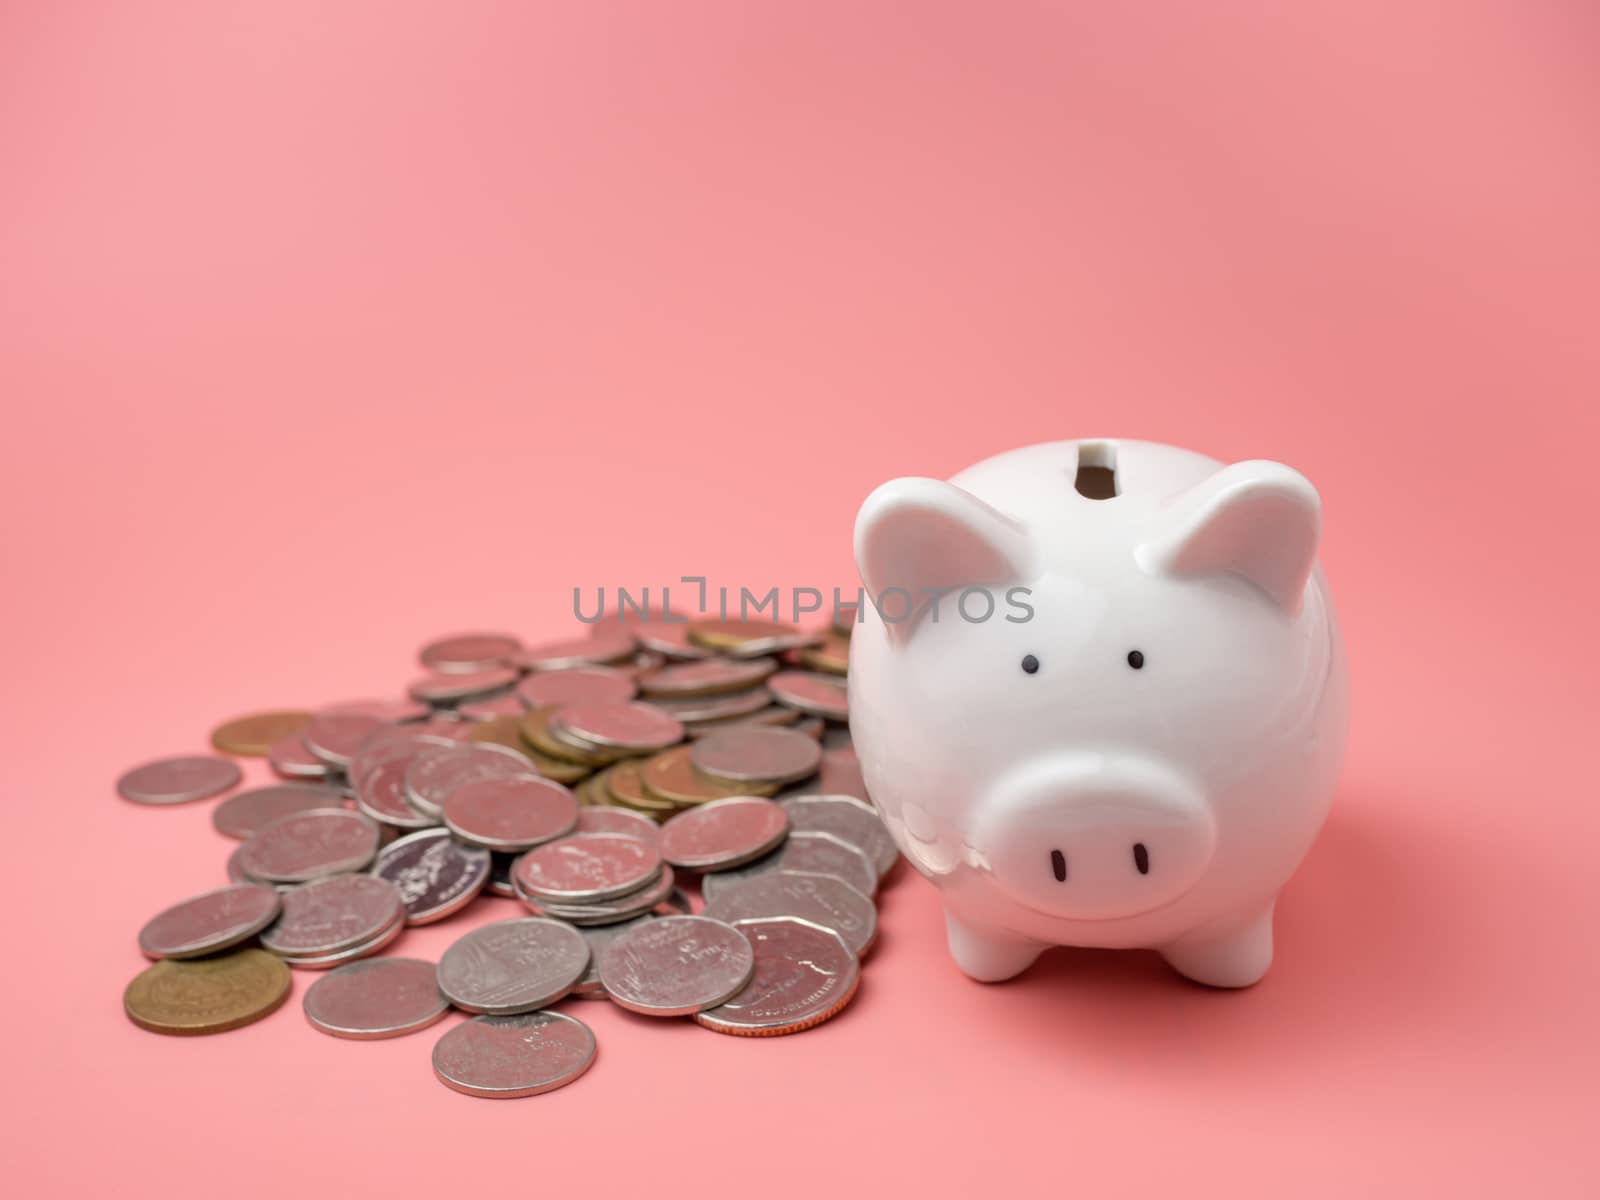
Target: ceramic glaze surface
[1158, 774]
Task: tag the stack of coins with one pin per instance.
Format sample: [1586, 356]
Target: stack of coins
[591, 779]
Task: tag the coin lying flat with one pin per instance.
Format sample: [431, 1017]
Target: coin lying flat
[243, 814]
[434, 874]
[623, 784]
[618, 820]
[207, 995]
[464, 653]
[847, 818]
[601, 646]
[831, 657]
[450, 688]
[506, 704]
[576, 686]
[804, 850]
[436, 772]
[706, 677]
[670, 639]
[825, 900]
[289, 758]
[820, 695]
[717, 707]
[513, 966]
[255, 734]
[382, 795]
[587, 867]
[309, 845]
[210, 922]
[724, 833]
[333, 915]
[670, 775]
[754, 754]
[376, 998]
[623, 725]
[500, 1058]
[179, 780]
[510, 814]
[804, 974]
[674, 966]
[748, 637]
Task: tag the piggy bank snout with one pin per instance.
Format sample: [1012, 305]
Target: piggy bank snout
[1092, 839]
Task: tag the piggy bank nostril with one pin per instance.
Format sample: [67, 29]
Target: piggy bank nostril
[1141, 858]
[1058, 864]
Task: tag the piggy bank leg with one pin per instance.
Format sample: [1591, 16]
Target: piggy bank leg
[986, 956]
[1232, 960]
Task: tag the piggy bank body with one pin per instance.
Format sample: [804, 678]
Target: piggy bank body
[1100, 699]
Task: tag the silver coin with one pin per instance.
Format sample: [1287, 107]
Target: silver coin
[244, 813]
[722, 834]
[804, 850]
[510, 814]
[333, 915]
[434, 874]
[804, 974]
[436, 772]
[335, 736]
[382, 795]
[289, 758]
[674, 966]
[376, 998]
[775, 644]
[670, 639]
[465, 653]
[719, 707]
[599, 937]
[605, 912]
[309, 845]
[608, 646]
[500, 1058]
[396, 743]
[706, 677]
[179, 780]
[587, 867]
[448, 689]
[622, 725]
[826, 900]
[210, 922]
[845, 817]
[322, 962]
[575, 686]
[810, 692]
[610, 819]
[752, 754]
[513, 966]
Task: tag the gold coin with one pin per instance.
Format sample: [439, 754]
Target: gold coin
[833, 656]
[625, 786]
[207, 995]
[254, 734]
[732, 634]
[669, 776]
[536, 731]
[507, 731]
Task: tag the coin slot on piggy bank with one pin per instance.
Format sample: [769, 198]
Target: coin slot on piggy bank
[1157, 769]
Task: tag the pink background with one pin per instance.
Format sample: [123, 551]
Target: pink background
[325, 328]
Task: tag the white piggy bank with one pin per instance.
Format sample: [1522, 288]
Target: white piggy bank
[1139, 742]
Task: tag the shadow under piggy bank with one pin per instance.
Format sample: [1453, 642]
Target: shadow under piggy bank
[1365, 949]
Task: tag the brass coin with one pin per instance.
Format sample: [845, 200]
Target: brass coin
[254, 734]
[747, 637]
[207, 995]
[832, 657]
[669, 776]
[507, 732]
[536, 729]
[625, 786]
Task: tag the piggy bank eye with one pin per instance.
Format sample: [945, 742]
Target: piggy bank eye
[1136, 659]
[1030, 664]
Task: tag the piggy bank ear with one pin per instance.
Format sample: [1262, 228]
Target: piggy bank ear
[915, 536]
[1259, 520]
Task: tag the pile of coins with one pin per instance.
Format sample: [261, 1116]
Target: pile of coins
[590, 779]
